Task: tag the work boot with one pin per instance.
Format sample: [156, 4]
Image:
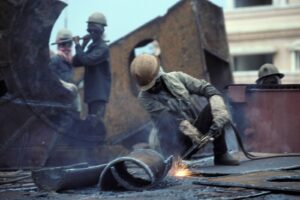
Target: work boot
[225, 159]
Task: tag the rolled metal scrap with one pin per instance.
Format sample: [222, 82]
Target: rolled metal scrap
[141, 169]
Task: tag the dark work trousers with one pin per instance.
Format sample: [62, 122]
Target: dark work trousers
[97, 108]
[203, 123]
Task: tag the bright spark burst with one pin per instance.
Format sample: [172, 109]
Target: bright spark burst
[180, 169]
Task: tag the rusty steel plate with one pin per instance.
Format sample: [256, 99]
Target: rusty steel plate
[283, 181]
[249, 166]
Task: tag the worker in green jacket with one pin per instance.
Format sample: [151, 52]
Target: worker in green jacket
[181, 121]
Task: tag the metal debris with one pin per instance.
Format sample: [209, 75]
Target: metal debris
[283, 181]
[172, 188]
[140, 170]
[16, 181]
[248, 166]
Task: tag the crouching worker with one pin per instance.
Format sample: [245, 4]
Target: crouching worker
[169, 99]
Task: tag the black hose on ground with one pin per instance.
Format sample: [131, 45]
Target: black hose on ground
[249, 155]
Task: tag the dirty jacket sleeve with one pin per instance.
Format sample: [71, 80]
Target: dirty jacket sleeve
[89, 58]
[203, 88]
[197, 86]
[219, 110]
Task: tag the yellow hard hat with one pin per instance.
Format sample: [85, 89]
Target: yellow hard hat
[145, 69]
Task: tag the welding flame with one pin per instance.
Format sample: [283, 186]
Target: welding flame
[180, 169]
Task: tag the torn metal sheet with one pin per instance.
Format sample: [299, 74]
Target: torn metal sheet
[140, 170]
[42, 128]
[283, 181]
[249, 166]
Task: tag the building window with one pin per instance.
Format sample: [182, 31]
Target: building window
[249, 3]
[251, 62]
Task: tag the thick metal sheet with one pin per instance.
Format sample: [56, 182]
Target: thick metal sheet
[283, 181]
[248, 166]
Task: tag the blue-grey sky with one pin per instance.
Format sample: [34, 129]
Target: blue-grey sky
[123, 16]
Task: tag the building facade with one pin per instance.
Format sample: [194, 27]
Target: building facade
[263, 31]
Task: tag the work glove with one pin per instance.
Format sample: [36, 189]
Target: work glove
[192, 132]
[70, 87]
[219, 113]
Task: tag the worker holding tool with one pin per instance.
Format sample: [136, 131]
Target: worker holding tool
[97, 77]
[186, 111]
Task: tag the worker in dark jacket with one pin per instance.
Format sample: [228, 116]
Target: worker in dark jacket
[168, 98]
[268, 74]
[97, 77]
